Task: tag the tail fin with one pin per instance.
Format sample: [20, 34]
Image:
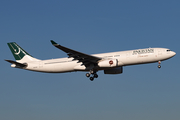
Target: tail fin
[20, 54]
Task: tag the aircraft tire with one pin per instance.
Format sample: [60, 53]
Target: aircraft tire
[87, 75]
[91, 78]
[96, 75]
[159, 66]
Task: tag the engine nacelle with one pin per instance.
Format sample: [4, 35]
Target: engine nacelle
[108, 63]
[117, 70]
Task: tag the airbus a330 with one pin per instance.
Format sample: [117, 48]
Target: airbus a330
[111, 63]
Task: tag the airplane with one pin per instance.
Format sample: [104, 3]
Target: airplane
[111, 63]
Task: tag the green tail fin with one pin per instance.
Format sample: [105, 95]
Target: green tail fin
[17, 51]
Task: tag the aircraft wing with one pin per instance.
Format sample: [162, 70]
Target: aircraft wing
[81, 57]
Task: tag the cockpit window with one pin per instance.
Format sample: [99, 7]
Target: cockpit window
[168, 50]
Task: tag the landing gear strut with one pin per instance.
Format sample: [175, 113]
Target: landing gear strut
[159, 64]
[93, 73]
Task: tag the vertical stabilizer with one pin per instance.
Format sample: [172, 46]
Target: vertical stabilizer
[20, 54]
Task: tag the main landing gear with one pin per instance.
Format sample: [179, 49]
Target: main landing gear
[159, 64]
[94, 75]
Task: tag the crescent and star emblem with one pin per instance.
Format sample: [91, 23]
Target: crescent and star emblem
[18, 51]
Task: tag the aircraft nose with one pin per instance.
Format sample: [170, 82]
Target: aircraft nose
[173, 53]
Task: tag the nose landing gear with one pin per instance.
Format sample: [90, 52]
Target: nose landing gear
[159, 64]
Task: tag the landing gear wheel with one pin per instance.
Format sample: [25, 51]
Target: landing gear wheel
[91, 78]
[92, 74]
[159, 66]
[95, 75]
[87, 75]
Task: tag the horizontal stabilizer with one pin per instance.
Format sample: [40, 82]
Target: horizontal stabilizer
[21, 65]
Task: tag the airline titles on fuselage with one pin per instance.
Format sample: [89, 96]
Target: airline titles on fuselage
[143, 51]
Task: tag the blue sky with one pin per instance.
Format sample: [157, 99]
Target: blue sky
[142, 92]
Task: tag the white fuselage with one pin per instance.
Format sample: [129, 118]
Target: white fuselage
[122, 58]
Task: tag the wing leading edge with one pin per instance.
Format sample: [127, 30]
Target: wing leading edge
[81, 57]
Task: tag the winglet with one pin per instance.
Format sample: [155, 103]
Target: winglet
[54, 43]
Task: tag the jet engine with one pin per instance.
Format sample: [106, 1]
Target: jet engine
[117, 70]
[108, 63]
